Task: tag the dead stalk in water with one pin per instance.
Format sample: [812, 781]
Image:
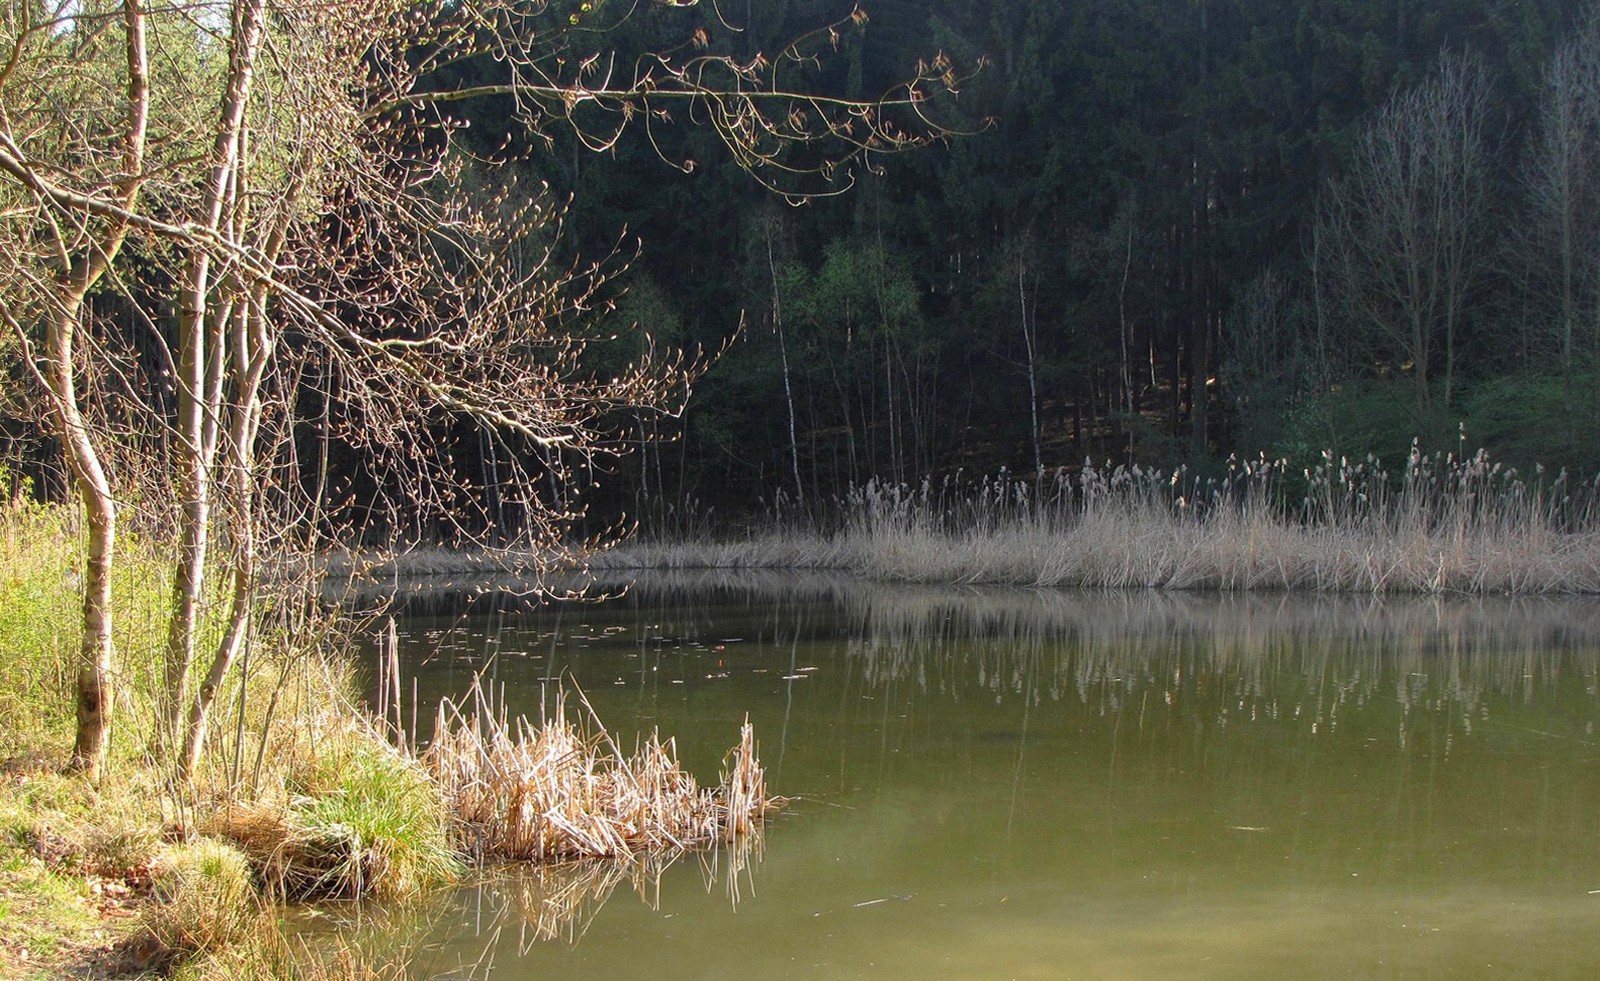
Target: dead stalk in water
[564, 790]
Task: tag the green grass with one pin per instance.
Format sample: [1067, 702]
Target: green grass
[76, 860]
[67, 854]
[67, 850]
[370, 821]
[204, 899]
[41, 610]
[36, 621]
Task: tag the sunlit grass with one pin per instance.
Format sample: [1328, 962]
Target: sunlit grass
[364, 819]
[298, 792]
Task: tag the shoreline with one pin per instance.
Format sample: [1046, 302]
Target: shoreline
[1203, 556]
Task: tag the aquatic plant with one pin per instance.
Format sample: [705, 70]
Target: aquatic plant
[565, 790]
[1442, 524]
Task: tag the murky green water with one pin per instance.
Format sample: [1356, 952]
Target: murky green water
[1044, 785]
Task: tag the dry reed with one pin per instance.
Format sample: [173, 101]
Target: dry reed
[564, 790]
[1444, 524]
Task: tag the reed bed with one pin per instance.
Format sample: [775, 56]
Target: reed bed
[1443, 524]
[563, 790]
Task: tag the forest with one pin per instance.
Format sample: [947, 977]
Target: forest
[1130, 232]
[1211, 295]
[1155, 232]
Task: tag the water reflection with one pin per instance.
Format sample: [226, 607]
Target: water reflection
[557, 903]
[1252, 657]
[996, 781]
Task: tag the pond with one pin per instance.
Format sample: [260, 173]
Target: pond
[1032, 784]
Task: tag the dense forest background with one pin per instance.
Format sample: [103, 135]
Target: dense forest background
[1156, 245]
[1161, 232]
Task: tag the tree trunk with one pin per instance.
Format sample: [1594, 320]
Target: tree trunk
[95, 687]
[788, 390]
[1030, 341]
[202, 357]
[253, 345]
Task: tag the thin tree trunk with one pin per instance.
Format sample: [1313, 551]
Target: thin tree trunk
[788, 390]
[94, 683]
[1029, 339]
[253, 344]
[201, 366]
[1122, 320]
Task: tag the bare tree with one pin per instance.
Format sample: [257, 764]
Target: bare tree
[1402, 237]
[60, 254]
[1560, 243]
[310, 222]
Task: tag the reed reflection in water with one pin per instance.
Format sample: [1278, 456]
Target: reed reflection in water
[1001, 782]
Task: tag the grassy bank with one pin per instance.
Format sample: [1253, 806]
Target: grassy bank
[1439, 525]
[140, 873]
[300, 793]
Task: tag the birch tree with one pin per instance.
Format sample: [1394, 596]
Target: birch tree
[62, 244]
[305, 214]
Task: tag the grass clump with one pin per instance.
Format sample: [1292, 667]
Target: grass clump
[564, 790]
[203, 899]
[364, 819]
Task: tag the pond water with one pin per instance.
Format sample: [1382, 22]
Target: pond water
[1029, 784]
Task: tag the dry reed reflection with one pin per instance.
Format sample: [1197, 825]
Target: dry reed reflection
[1305, 657]
[558, 902]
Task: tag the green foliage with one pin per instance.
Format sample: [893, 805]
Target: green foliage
[370, 821]
[364, 818]
[647, 306]
[864, 286]
[1527, 420]
[1160, 169]
[1524, 420]
[1359, 417]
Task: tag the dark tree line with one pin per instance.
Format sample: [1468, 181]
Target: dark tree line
[1159, 232]
[1162, 241]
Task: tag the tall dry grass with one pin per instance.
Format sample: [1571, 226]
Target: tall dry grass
[564, 790]
[1443, 524]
